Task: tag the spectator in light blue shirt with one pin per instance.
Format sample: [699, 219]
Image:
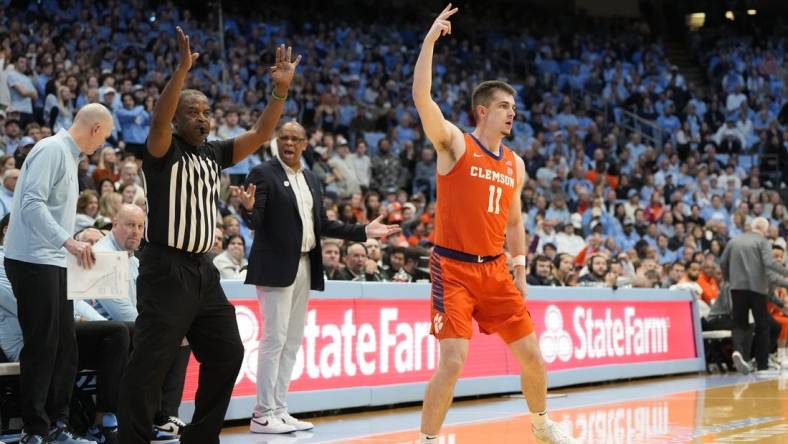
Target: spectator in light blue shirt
[229, 130]
[10, 331]
[39, 234]
[22, 91]
[134, 124]
[10, 177]
[664, 254]
[629, 237]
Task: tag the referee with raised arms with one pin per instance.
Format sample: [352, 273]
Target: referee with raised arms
[178, 286]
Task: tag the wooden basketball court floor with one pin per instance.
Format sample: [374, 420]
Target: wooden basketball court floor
[685, 409]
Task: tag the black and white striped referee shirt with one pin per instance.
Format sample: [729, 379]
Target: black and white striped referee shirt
[182, 188]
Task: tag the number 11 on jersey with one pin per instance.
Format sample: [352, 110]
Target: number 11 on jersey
[494, 203]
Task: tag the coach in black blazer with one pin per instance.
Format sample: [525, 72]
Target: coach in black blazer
[278, 228]
[283, 204]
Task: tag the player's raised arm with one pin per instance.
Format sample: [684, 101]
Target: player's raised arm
[436, 127]
[160, 134]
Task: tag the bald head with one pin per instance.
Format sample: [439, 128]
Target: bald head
[130, 211]
[128, 226]
[294, 126]
[92, 126]
[760, 225]
[93, 113]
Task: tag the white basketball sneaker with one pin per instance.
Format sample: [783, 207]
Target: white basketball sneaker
[269, 423]
[741, 365]
[552, 433]
[297, 423]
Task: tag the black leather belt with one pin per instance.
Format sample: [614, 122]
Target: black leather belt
[465, 257]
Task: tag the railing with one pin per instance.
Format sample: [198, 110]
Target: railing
[648, 129]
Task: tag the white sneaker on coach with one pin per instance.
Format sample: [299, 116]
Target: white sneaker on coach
[269, 424]
[552, 433]
[741, 365]
[297, 423]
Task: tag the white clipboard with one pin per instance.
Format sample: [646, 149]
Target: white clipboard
[108, 279]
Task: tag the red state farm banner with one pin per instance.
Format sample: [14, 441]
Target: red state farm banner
[368, 342]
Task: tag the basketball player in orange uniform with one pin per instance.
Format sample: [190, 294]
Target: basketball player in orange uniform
[478, 209]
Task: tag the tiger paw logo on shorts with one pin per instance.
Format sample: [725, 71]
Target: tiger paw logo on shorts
[437, 322]
[555, 342]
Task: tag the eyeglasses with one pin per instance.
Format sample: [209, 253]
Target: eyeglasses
[290, 139]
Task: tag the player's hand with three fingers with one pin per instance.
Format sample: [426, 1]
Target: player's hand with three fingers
[441, 26]
[82, 251]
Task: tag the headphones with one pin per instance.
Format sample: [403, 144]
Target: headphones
[591, 262]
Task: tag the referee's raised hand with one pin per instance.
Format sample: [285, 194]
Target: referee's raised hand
[184, 48]
[82, 251]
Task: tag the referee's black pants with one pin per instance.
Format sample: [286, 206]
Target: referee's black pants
[180, 295]
[172, 388]
[742, 302]
[48, 361]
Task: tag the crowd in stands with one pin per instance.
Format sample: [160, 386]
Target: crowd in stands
[603, 206]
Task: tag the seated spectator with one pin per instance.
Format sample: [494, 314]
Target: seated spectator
[87, 210]
[90, 235]
[10, 176]
[129, 175]
[780, 313]
[708, 282]
[218, 241]
[675, 274]
[541, 272]
[109, 204]
[356, 265]
[331, 255]
[396, 260]
[550, 250]
[690, 283]
[232, 262]
[105, 186]
[415, 257]
[374, 254]
[567, 241]
[107, 167]
[564, 270]
[597, 276]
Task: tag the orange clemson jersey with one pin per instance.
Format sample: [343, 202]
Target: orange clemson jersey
[473, 200]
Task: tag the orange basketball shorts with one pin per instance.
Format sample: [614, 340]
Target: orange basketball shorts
[463, 291]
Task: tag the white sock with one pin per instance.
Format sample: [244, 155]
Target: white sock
[781, 353]
[538, 419]
[427, 439]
